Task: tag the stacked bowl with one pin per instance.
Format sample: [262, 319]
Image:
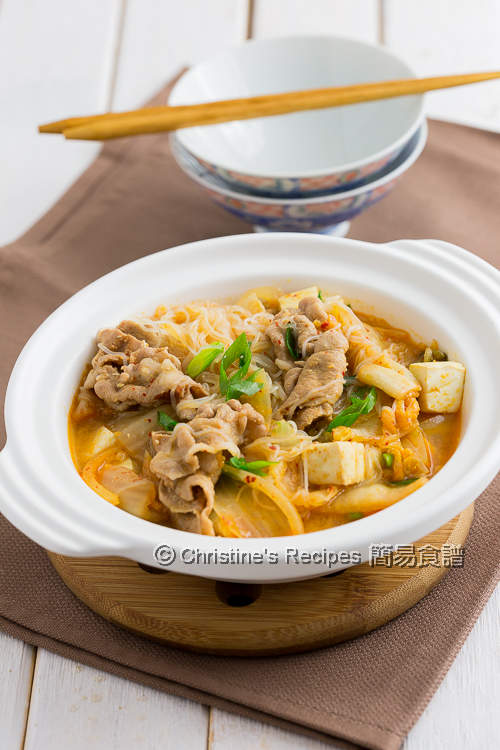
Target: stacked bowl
[310, 171]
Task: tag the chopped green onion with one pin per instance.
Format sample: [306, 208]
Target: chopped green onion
[355, 516]
[238, 350]
[403, 482]
[237, 385]
[434, 355]
[360, 404]
[320, 295]
[247, 387]
[204, 359]
[291, 342]
[387, 460]
[165, 421]
[253, 467]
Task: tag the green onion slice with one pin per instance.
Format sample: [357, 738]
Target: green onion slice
[361, 403]
[253, 467]
[238, 350]
[237, 385]
[246, 387]
[204, 359]
[291, 342]
[165, 421]
[320, 295]
[387, 460]
[403, 482]
[355, 516]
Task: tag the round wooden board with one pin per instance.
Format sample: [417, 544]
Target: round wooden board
[223, 618]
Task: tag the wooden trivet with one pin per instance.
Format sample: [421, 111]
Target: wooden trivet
[248, 619]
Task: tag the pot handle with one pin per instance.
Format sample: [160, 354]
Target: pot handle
[465, 263]
[22, 506]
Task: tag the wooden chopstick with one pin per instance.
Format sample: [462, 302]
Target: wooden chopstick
[58, 126]
[159, 119]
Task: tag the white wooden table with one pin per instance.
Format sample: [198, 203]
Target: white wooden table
[59, 58]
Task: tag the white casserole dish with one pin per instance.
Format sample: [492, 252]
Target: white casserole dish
[431, 288]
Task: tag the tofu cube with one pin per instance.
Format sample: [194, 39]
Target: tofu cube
[342, 462]
[442, 385]
[291, 301]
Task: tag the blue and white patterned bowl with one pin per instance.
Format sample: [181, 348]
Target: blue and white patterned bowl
[312, 187]
[300, 187]
[329, 214]
[304, 153]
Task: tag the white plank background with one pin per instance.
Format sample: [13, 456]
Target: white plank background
[90, 55]
[354, 18]
[101, 712]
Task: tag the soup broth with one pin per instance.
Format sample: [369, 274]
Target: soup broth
[280, 413]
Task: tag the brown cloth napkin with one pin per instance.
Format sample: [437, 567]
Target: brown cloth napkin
[132, 201]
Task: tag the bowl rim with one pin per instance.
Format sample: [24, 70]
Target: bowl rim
[337, 196]
[331, 170]
[89, 526]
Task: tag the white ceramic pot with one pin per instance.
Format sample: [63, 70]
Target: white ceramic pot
[428, 287]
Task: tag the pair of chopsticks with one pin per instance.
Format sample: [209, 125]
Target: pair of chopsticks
[160, 119]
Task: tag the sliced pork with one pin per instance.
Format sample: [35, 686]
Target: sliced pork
[144, 331]
[314, 309]
[314, 388]
[302, 329]
[314, 381]
[188, 460]
[127, 371]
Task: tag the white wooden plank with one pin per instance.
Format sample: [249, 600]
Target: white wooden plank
[77, 707]
[16, 670]
[462, 713]
[228, 731]
[354, 18]
[56, 59]
[160, 38]
[446, 36]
